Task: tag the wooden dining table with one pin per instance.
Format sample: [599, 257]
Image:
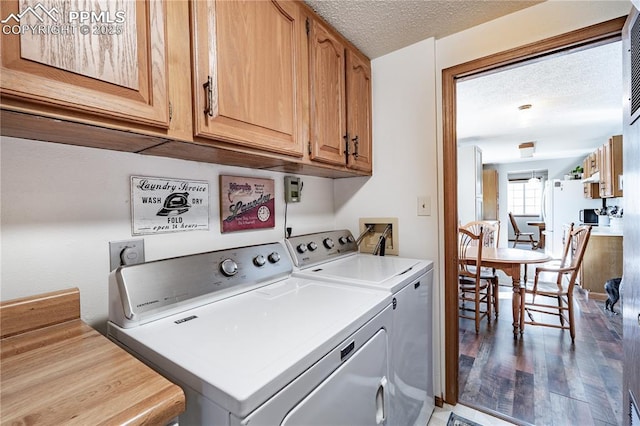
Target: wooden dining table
[510, 261]
[541, 228]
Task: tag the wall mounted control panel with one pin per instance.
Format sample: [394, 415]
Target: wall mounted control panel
[292, 189]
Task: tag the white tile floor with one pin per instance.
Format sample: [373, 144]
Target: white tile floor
[441, 415]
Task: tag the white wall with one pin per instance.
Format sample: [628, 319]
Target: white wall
[61, 205]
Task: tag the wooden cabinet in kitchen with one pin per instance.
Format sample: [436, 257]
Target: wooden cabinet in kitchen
[590, 166]
[113, 66]
[249, 75]
[340, 100]
[603, 259]
[611, 168]
[593, 163]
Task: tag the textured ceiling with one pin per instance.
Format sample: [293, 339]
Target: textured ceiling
[378, 27]
[576, 106]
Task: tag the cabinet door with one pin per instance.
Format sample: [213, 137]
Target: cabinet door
[248, 74]
[359, 111]
[605, 171]
[615, 148]
[115, 69]
[328, 118]
[593, 163]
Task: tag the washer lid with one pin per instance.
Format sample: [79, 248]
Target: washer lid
[386, 272]
[240, 351]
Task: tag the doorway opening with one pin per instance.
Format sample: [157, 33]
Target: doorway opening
[576, 40]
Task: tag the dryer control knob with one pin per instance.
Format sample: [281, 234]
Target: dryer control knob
[259, 260]
[274, 257]
[312, 246]
[351, 239]
[343, 240]
[229, 267]
[301, 248]
[328, 243]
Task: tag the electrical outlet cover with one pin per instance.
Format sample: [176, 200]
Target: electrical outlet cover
[125, 252]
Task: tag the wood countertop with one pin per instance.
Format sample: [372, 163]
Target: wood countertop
[55, 369]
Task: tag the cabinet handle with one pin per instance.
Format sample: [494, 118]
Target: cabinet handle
[346, 147]
[209, 87]
[355, 147]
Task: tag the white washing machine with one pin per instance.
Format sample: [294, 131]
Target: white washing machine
[333, 257]
[251, 345]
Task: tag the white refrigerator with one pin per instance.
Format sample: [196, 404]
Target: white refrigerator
[562, 201]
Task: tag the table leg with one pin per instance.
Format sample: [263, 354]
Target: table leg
[516, 299]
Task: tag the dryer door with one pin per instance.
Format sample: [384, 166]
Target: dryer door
[355, 394]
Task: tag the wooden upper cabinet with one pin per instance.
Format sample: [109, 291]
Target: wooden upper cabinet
[611, 168]
[328, 115]
[359, 111]
[591, 190]
[250, 74]
[340, 86]
[110, 65]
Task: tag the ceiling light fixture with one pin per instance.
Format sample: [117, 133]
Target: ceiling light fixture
[527, 149]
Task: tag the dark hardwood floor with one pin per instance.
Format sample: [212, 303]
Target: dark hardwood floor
[541, 378]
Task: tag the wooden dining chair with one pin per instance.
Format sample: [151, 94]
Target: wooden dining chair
[519, 233]
[561, 291]
[472, 287]
[491, 235]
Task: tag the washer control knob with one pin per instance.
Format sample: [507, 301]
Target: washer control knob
[301, 248]
[328, 243]
[259, 260]
[274, 257]
[229, 267]
[343, 240]
[312, 246]
[351, 239]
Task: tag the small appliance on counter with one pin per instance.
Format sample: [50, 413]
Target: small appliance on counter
[589, 216]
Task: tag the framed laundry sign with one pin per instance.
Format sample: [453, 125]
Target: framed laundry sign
[160, 205]
[246, 203]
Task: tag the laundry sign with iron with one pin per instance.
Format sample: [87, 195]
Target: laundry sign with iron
[161, 205]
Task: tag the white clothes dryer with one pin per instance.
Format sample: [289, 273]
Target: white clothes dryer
[333, 256]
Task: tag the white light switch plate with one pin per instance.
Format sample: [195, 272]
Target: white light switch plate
[424, 206]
